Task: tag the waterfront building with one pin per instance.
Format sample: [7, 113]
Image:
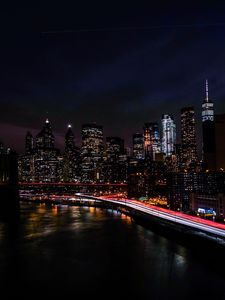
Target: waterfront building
[181, 185]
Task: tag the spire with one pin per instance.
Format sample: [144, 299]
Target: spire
[46, 120]
[207, 91]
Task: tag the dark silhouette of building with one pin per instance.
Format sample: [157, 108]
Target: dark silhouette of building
[220, 141]
[9, 195]
[115, 160]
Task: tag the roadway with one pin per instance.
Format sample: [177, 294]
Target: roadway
[198, 223]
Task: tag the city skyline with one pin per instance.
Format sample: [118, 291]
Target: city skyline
[119, 69]
[59, 140]
[112, 149]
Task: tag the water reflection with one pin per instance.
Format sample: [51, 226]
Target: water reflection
[85, 251]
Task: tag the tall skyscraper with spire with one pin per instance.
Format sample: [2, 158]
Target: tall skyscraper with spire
[45, 138]
[207, 106]
[70, 158]
[208, 132]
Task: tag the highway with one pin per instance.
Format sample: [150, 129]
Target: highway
[197, 223]
[203, 225]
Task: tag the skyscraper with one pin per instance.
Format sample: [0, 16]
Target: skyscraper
[40, 163]
[114, 147]
[114, 162]
[188, 137]
[168, 134]
[151, 139]
[45, 138]
[207, 106]
[71, 158]
[91, 151]
[138, 146]
[208, 132]
[69, 139]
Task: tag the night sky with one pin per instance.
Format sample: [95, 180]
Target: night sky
[117, 65]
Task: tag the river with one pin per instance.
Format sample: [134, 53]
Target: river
[84, 252]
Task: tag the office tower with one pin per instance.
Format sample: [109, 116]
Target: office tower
[188, 137]
[40, 163]
[71, 163]
[138, 146]
[114, 147]
[45, 138]
[151, 139]
[208, 132]
[168, 134]
[91, 152]
[46, 156]
[69, 139]
[115, 160]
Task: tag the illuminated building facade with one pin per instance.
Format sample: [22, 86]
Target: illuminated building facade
[71, 158]
[91, 152]
[138, 146]
[45, 138]
[152, 143]
[114, 148]
[46, 156]
[188, 137]
[41, 161]
[168, 134]
[208, 132]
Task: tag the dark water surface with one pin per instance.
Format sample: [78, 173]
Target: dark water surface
[70, 252]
